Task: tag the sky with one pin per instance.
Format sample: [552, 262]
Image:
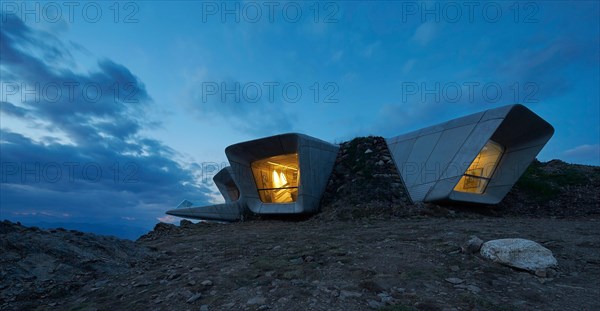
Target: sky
[112, 113]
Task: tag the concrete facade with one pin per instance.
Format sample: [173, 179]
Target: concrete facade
[431, 161]
[306, 164]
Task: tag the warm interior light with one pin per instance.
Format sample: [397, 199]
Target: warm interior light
[276, 182]
[277, 178]
[479, 173]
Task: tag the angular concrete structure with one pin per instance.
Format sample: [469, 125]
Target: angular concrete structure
[282, 174]
[473, 159]
[476, 158]
[226, 185]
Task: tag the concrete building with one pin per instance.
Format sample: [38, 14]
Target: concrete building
[474, 159]
[282, 174]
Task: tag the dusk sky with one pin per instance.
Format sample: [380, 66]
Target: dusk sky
[112, 113]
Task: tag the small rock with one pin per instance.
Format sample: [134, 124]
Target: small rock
[454, 268]
[474, 289]
[454, 280]
[541, 273]
[385, 298]
[368, 151]
[174, 276]
[269, 273]
[257, 300]
[373, 304]
[380, 163]
[207, 283]
[194, 298]
[204, 308]
[348, 294]
[473, 245]
[192, 283]
[294, 274]
[143, 283]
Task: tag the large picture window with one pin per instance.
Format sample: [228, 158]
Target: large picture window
[277, 178]
[480, 171]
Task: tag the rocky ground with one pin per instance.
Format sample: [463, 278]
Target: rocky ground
[369, 248]
[397, 264]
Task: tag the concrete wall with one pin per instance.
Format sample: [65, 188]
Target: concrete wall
[315, 159]
[226, 185]
[432, 160]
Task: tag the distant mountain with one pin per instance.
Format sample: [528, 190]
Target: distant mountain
[118, 230]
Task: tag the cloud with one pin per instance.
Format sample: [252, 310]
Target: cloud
[110, 172]
[425, 33]
[337, 55]
[370, 49]
[258, 108]
[168, 219]
[586, 153]
[408, 65]
[12, 110]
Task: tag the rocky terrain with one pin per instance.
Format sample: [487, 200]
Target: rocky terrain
[368, 249]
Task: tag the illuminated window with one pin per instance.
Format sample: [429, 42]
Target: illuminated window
[481, 169]
[277, 178]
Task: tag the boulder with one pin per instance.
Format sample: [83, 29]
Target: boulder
[518, 253]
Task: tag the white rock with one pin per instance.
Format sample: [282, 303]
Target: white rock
[257, 300]
[368, 151]
[519, 253]
[207, 283]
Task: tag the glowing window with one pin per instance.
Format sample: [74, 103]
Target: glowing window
[277, 178]
[480, 171]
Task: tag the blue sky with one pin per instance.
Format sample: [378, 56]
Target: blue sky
[113, 113]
